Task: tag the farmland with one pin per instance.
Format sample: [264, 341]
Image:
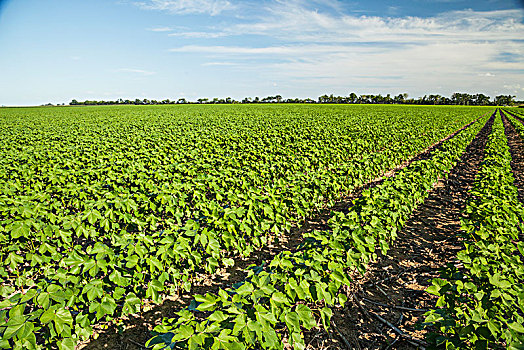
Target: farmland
[107, 211]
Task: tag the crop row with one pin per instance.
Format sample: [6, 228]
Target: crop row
[102, 212]
[516, 111]
[517, 124]
[297, 289]
[481, 305]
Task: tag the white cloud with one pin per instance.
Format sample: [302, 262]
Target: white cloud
[448, 50]
[516, 88]
[207, 64]
[211, 7]
[199, 35]
[161, 29]
[310, 48]
[290, 50]
[293, 22]
[136, 71]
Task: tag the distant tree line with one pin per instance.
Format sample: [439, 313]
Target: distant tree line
[463, 99]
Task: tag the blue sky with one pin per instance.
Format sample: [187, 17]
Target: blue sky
[57, 50]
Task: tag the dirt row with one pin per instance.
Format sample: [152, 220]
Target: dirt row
[133, 332]
[389, 302]
[516, 144]
[393, 289]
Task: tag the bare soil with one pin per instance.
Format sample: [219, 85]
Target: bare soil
[393, 289]
[516, 148]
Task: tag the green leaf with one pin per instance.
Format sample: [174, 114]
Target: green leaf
[305, 315]
[326, 314]
[207, 302]
[298, 342]
[118, 279]
[132, 304]
[245, 289]
[47, 316]
[67, 344]
[280, 298]
[340, 277]
[62, 318]
[16, 325]
[217, 316]
[132, 261]
[184, 332]
[517, 327]
[93, 290]
[293, 321]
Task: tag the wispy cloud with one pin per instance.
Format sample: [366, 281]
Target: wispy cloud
[219, 64]
[515, 88]
[136, 71]
[440, 52]
[293, 22]
[200, 35]
[160, 29]
[287, 50]
[318, 43]
[210, 7]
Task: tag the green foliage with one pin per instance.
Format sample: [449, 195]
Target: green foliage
[481, 305]
[515, 117]
[103, 209]
[296, 290]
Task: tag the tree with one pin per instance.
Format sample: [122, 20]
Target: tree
[434, 99]
[363, 99]
[504, 100]
[399, 98]
[481, 100]
[461, 98]
[377, 98]
[323, 99]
